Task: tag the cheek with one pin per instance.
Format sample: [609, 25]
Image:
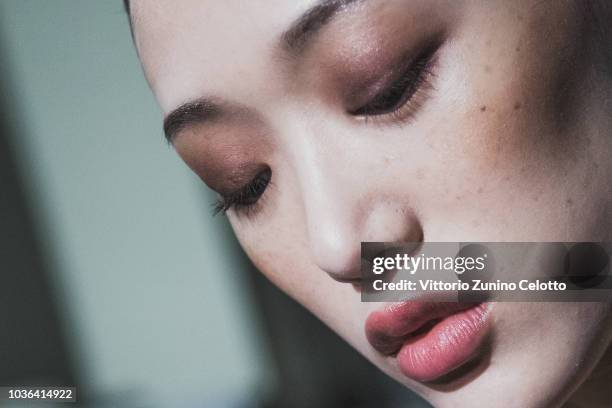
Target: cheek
[276, 244]
[280, 252]
[515, 93]
[510, 149]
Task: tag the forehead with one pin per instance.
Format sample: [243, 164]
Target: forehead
[191, 46]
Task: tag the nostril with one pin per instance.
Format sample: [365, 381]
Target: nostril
[353, 281]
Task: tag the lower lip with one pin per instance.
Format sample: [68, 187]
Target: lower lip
[447, 345]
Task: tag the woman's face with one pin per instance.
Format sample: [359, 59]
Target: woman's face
[324, 124]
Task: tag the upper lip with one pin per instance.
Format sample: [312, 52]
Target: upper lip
[389, 328]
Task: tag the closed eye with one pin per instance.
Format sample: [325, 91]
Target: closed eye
[245, 198]
[402, 89]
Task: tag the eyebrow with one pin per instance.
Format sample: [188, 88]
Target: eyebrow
[294, 41]
[191, 113]
[305, 28]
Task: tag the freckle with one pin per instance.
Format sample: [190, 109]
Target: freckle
[458, 198]
[483, 108]
[507, 178]
[487, 68]
[519, 17]
[518, 49]
[517, 106]
[538, 195]
[479, 191]
[569, 202]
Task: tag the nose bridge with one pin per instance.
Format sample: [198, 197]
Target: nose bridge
[331, 207]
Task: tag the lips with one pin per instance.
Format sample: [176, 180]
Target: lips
[429, 339]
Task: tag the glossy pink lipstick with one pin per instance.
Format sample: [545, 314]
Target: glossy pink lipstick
[429, 339]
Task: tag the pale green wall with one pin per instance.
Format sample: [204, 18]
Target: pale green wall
[147, 278]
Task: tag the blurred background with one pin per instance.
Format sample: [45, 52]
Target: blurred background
[115, 278]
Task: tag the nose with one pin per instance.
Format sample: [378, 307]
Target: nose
[337, 228]
[343, 208]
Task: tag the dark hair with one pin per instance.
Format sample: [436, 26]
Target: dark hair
[126, 4]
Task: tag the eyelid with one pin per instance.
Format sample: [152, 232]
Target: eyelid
[246, 199]
[422, 67]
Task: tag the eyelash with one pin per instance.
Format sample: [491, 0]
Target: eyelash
[399, 100]
[244, 199]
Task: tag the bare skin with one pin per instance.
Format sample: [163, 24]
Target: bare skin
[506, 135]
